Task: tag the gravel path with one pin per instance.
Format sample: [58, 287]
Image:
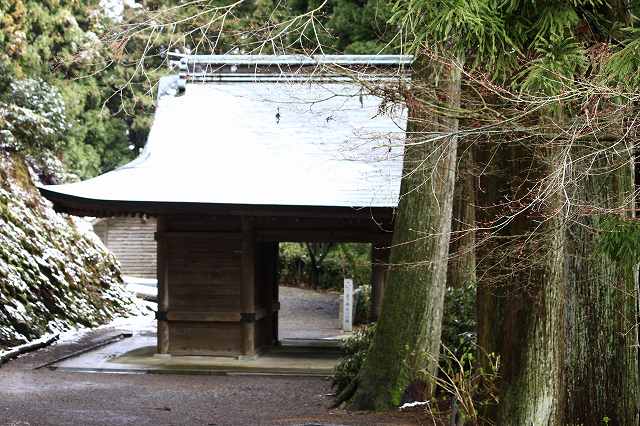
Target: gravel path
[43, 397]
[307, 314]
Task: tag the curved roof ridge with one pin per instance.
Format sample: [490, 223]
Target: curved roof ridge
[255, 68]
[227, 59]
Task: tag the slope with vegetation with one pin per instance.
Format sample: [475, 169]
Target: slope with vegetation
[54, 127]
[53, 276]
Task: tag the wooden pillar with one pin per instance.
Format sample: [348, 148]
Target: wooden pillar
[247, 288]
[379, 266]
[275, 303]
[163, 287]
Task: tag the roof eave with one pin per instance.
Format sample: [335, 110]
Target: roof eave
[80, 206]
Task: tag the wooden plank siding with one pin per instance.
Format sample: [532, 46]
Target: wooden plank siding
[205, 338]
[204, 274]
[131, 240]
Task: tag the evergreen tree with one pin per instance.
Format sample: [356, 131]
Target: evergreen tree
[407, 337]
[548, 155]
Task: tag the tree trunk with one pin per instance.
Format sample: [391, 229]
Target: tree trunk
[407, 337]
[564, 326]
[521, 292]
[602, 363]
[317, 253]
[492, 188]
[379, 266]
[602, 329]
[462, 255]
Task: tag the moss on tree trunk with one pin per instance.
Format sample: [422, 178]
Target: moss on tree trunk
[561, 315]
[407, 337]
[601, 320]
[521, 289]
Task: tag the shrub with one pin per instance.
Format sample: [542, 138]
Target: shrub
[344, 260]
[355, 349]
[33, 118]
[467, 388]
[465, 391]
[459, 320]
[362, 304]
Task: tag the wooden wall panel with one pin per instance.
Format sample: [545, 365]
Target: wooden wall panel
[204, 274]
[131, 240]
[196, 338]
[100, 228]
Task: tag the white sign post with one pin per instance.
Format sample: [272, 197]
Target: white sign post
[347, 305]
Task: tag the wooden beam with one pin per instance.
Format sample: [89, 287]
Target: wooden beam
[275, 303]
[201, 316]
[194, 316]
[328, 235]
[204, 235]
[270, 283]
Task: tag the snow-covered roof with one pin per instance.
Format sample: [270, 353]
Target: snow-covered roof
[270, 142]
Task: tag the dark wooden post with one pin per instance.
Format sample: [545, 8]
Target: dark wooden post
[247, 288]
[379, 266]
[163, 287]
[275, 303]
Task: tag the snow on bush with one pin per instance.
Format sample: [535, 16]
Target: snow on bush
[35, 118]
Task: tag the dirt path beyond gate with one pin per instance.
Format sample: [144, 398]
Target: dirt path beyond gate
[308, 314]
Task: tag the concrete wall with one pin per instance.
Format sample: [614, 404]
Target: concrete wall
[131, 239]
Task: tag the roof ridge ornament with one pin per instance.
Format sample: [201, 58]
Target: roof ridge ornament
[170, 86]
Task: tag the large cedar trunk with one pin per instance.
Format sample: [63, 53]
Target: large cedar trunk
[601, 364]
[491, 188]
[565, 325]
[521, 285]
[462, 255]
[602, 298]
[407, 337]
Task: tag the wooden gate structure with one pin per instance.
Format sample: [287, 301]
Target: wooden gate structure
[245, 152]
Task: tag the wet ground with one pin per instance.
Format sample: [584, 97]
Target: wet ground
[309, 345]
[44, 397]
[40, 396]
[137, 354]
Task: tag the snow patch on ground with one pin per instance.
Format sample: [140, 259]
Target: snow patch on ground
[413, 404]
